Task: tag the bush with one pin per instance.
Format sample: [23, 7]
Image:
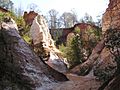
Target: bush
[23, 29]
[80, 45]
[73, 51]
[62, 48]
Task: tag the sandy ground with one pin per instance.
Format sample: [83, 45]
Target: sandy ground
[79, 83]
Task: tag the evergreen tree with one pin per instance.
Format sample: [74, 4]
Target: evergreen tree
[74, 51]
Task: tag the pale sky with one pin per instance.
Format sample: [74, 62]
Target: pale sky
[92, 7]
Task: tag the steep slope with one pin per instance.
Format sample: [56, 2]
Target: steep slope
[101, 61]
[20, 67]
[111, 17]
[44, 45]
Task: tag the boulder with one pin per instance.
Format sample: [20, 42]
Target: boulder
[20, 67]
[44, 45]
[56, 63]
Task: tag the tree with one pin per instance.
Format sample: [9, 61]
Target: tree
[99, 21]
[68, 19]
[53, 18]
[7, 4]
[32, 6]
[19, 10]
[73, 51]
[91, 38]
[87, 19]
[54, 23]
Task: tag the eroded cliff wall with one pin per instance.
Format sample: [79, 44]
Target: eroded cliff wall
[111, 17]
[20, 67]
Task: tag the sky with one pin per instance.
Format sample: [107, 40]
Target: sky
[92, 7]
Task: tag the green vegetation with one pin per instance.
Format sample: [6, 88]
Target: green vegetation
[4, 15]
[76, 43]
[73, 51]
[77, 30]
[79, 45]
[23, 29]
[27, 38]
[90, 38]
[62, 48]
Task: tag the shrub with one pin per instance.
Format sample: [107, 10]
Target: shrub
[73, 51]
[80, 44]
[23, 29]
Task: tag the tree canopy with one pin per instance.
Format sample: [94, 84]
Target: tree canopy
[7, 4]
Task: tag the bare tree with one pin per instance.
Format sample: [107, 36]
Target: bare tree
[99, 21]
[32, 6]
[19, 10]
[7, 4]
[68, 19]
[88, 19]
[53, 18]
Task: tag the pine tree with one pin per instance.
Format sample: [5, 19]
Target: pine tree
[74, 51]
